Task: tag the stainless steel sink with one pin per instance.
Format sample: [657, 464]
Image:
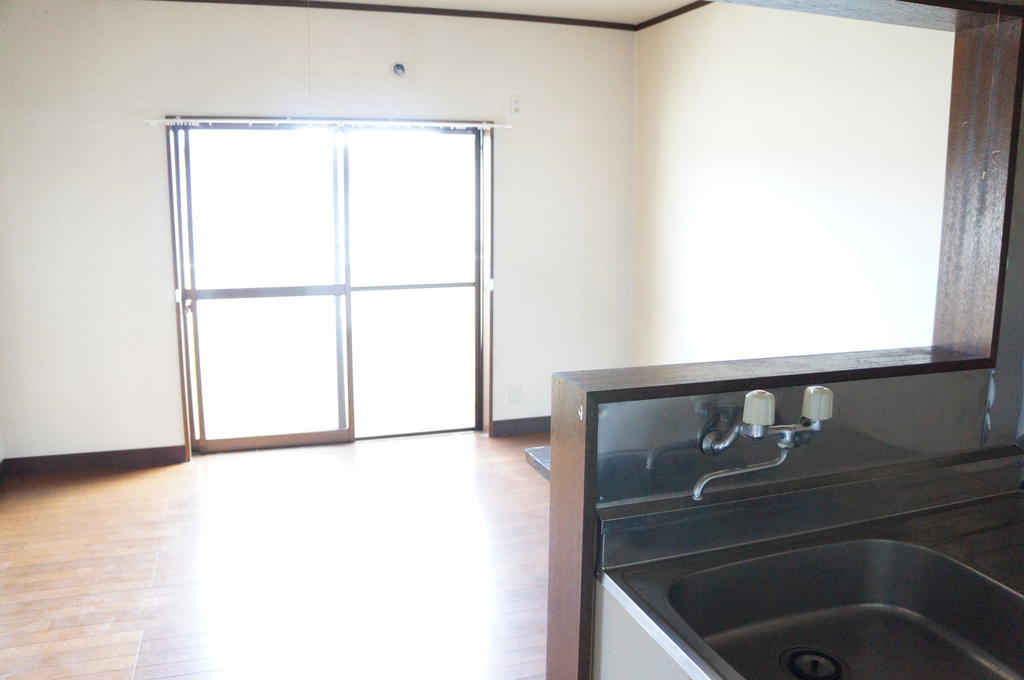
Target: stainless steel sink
[866, 610]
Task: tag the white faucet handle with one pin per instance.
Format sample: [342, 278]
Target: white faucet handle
[759, 408]
[817, 403]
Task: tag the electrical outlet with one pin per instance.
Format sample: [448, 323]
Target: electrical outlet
[515, 394]
[515, 104]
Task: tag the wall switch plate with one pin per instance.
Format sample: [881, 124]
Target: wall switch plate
[515, 394]
[515, 104]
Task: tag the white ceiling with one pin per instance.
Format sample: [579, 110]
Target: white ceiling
[620, 11]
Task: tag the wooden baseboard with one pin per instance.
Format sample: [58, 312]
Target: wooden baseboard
[514, 426]
[128, 459]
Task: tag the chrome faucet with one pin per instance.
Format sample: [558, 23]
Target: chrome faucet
[714, 415]
[758, 423]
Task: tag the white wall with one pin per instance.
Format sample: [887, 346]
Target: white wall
[88, 359]
[787, 161]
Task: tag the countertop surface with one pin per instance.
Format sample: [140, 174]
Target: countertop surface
[986, 535]
[539, 458]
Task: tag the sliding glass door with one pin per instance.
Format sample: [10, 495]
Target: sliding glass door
[412, 229]
[329, 282]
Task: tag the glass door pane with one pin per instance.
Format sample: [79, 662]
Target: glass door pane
[414, 360]
[412, 238]
[263, 207]
[294, 232]
[269, 297]
[269, 366]
[412, 207]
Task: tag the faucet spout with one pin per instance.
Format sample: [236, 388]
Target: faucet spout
[698, 488]
[653, 454]
[758, 423]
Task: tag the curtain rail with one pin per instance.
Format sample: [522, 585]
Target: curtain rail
[325, 122]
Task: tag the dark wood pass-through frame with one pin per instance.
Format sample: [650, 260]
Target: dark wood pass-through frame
[981, 160]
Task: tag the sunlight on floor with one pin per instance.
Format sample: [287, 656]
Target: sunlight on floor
[421, 557]
[423, 545]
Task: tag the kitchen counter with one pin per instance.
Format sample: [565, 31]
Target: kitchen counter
[986, 535]
[539, 458]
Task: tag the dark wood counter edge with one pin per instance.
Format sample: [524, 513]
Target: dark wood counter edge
[680, 380]
[619, 515]
[93, 461]
[572, 538]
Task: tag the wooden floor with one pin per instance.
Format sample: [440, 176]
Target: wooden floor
[401, 559]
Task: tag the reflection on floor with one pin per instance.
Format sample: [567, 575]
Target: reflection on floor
[409, 558]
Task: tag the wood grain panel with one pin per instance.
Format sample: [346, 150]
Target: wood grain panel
[984, 117]
[573, 532]
[677, 380]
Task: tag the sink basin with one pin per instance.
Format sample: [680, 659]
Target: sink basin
[867, 610]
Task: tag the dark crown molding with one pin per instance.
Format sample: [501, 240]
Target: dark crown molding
[671, 15]
[465, 13]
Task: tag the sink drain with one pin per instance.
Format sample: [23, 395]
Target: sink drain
[812, 664]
